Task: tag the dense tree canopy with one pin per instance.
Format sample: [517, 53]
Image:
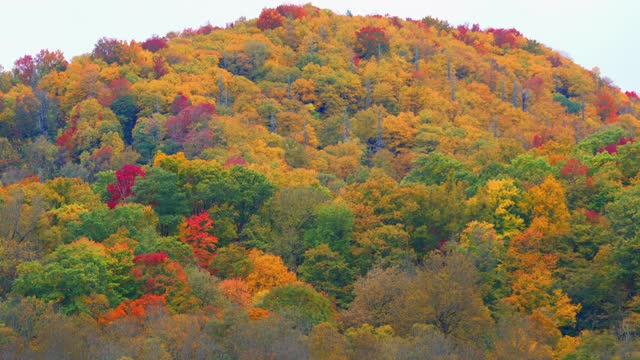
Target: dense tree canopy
[308, 184]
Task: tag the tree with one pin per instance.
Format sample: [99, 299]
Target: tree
[371, 41]
[25, 70]
[126, 110]
[154, 44]
[606, 107]
[505, 37]
[497, 203]
[547, 201]
[377, 296]
[333, 226]
[622, 213]
[148, 134]
[268, 271]
[269, 19]
[300, 304]
[159, 188]
[231, 261]
[326, 343]
[328, 272]
[99, 223]
[125, 180]
[110, 50]
[197, 232]
[291, 11]
[481, 244]
[137, 309]
[156, 274]
[77, 270]
[446, 294]
[437, 168]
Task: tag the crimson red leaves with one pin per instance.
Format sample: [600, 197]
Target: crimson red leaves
[613, 148]
[505, 37]
[25, 69]
[632, 95]
[125, 179]
[154, 44]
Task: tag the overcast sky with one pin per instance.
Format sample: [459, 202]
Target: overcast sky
[602, 33]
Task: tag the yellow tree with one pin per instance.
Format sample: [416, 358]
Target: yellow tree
[268, 272]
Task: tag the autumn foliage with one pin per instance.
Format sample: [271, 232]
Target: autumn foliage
[505, 37]
[154, 44]
[125, 179]
[371, 41]
[290, 11]
[315, 185]
[270, 19]
[197, 232]
[606, 107]
[135, 309]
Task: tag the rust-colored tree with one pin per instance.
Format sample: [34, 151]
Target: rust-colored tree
[269, 19]
[606, 107]
[197, 232]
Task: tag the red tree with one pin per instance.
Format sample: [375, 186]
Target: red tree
[606, 107]
[47, 61]
[154, 44]
[574, 168]
[505, 37]
[370, 41]
[137, 308]
[25, 69]
[197, 232]
[269, 19]
[206, 29]
[235, 161]
[65, 139]
[179, 126]
[537, 141]
[125, 179]
[109, 50]
[159, 67]
[180, 102]
[292, 11]
[157, 274]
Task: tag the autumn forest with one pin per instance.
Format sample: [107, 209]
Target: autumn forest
[315, 185]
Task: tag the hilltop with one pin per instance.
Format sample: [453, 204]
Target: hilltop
[307, 181]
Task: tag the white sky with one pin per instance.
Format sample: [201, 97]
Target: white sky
[601, 33]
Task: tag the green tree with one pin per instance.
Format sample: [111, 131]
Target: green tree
[328, 272]
[333, 225]
[300, 304]
[231, 261]
[436, 168]
[159, 188]
[75, 271]
[99, 223]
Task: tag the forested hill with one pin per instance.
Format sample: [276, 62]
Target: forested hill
[309, 184]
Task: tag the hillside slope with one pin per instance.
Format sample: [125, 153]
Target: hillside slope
[308, 181]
